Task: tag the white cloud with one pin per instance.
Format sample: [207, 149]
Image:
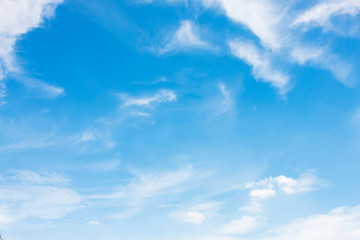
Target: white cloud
[272, 186]
[27, 176]
[305, 183]
[29, 194]
[197, 213]
[193, 217]
[147, 186]
[227, 101]
[45, 89]
[341, 223]
[185, 37]
[320, 14]
[320, 57]
[161, 96]
[253, 206]
[273, 23]
[241, 226]
[95, 138]
[87, 136]
[262, 17]
[262, 193]
[261, 63]
[145, 190]
[16, 19]
[94, 222]
[281, 41]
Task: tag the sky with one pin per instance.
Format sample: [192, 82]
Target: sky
[179, 119]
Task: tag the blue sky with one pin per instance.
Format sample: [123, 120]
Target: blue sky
[179, 119]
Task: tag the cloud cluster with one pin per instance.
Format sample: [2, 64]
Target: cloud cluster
[272, 186]
[280, 33]
[279, 37]
[341, 223]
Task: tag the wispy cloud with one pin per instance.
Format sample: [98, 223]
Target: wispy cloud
[341, 223]
[280, 41]
[187, 36]
[261, 17]
[30, 194]
[132, 198]
[321, 14]
[241, 226]
[147, 186]
[23, 17]
[227, 98]
[161, 96]
[261, 63]
[45, 89]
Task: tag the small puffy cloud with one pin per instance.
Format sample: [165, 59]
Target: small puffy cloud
[187, 36]
[94, 222]
[305, 183]
[272, 186]
[161, 96]
[241, 226]
[197, 213]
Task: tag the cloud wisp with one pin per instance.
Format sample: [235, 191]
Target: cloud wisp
[23, 17]
[186, 37]
[162, 96]
[321, 14]
[29, 194]
[145, 188]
